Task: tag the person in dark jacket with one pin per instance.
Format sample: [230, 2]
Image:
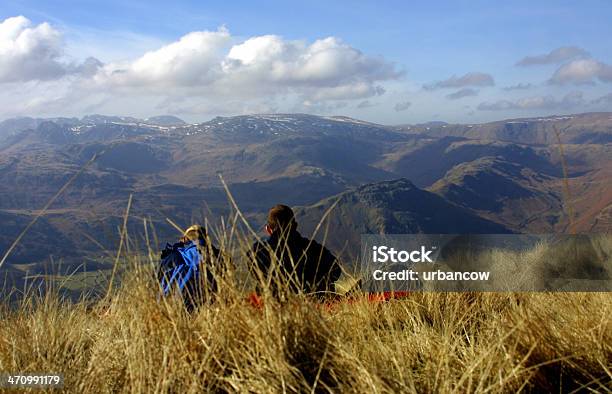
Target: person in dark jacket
[289, 261]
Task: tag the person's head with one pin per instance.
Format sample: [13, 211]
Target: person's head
[280, 218]
[194, 233]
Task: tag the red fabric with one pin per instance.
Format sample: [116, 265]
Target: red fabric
[387, 295]
[255, 300]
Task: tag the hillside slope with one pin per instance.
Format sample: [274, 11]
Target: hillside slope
[504, 191]
[389, 207]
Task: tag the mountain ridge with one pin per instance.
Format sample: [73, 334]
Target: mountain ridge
[389, 207]
[299, 159]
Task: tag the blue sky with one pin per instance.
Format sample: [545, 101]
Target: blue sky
[376, 66]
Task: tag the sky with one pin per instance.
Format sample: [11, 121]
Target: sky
[391, 62]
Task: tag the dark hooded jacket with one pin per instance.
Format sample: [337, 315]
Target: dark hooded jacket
[303, 265]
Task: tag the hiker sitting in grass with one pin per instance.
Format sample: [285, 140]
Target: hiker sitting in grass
[191, 267]
[289, 261]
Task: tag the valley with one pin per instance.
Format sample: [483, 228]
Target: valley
[497, 177]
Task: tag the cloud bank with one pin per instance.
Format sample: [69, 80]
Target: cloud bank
[570, 100]
[582, 71]
[403, 106]
[466, 92]
[469, 79]
[555, 56]
[215, 73]
[205, 66]
[327, 69]
[29, 52]
[519, 86]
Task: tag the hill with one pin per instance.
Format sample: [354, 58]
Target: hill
[595, 127]
[509, 192]
[390, 207]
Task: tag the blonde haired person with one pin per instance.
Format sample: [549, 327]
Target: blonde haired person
[192, 267]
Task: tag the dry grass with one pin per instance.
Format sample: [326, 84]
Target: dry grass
[429, 342]
[131, 341]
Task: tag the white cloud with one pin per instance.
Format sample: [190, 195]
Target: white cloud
[326, 62]
[356, 90]
[36, 53]
[555, 56]
[29, 52]
[469, 79]
[582, 71]
[570, 100]
[466, 92]
[204, 63]
[209, 67]
[193, 107]
[193, 60]
[319, 107]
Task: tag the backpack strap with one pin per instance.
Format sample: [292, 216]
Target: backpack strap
[190, 268]
[185, 266]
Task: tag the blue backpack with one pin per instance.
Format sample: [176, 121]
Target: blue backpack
[180, 269]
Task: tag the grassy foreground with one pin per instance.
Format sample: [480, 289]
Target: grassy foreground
[430, 342]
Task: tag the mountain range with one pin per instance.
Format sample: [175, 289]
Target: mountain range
[551, 174]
